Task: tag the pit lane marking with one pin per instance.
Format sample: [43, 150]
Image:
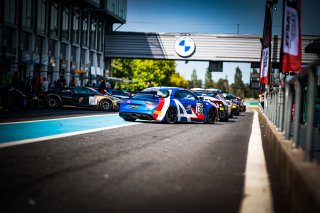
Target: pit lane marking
[257, 191]
[55, 119]
[26, 141]
[16, 133]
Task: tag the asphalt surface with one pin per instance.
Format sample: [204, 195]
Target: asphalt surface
[149, 167]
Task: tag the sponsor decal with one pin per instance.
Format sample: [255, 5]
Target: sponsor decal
[93, 100]
[291, 37]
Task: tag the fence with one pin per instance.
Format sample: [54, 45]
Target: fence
[295, 110]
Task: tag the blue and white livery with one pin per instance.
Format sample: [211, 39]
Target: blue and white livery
[168, 104]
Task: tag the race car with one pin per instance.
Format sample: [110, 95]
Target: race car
[80, 97]
[168, 104]
[223, 108]
[235, 103]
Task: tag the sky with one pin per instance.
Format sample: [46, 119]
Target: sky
[213, 17]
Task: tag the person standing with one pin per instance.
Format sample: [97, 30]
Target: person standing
[61, 83]
[102, 86]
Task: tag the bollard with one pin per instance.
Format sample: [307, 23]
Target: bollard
[281, 108]
[288, 111]
[297, 111]
[310, 116]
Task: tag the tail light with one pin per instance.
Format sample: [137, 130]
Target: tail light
[150, 105]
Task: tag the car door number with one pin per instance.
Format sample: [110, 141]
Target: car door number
[199, 108]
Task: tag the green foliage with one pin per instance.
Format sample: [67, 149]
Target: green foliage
[238, 77]
[178, 81]
[121, 68]
[208, 82]
[223, 85]
[238, 88]
[195, 83]
[157, 72]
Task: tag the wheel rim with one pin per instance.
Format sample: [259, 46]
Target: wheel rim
[172, 115]
[52, 102]
[105, 105]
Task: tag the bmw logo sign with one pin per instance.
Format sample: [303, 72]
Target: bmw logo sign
[185, 46]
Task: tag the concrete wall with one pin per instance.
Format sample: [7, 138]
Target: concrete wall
[300, 179]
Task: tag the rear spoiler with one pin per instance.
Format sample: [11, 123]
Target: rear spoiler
[153, 93]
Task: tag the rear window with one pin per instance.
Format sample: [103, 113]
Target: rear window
[152, 94]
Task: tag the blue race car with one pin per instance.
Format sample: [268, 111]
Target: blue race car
[167, 104]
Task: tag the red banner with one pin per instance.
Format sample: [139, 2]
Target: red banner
[266, 46]
[291, 36]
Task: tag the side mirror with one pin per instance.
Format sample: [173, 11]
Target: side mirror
[201, 98]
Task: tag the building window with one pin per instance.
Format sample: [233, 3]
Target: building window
[75, 27]
[10, 11]
[26, 13]
[65, 23]
[24, 39]
[93, 34]
[98, 60]
[54, 20]
[41, 21]
[100, 37]
[73, 58]
[85, 32]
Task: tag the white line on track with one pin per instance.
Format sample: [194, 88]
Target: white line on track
[20, 142]
[257, 192]
[54, 119]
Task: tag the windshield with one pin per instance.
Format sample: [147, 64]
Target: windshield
[198, 93]
[94, 91]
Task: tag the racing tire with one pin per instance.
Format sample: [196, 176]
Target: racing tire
[226, 117]
[171, 115]
[105, 105]
[211, 117]
[53, 102]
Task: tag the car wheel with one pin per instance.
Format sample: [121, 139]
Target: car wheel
[226, 117]
[53, 102]
[171, 115]
[211, 117]
[105, 105]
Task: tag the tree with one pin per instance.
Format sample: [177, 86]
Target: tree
[223, 85]
[208, 82]
[121, 68]
[195, 83]
[238, 88]
[238, 77]
[178, 81]
[157, 72]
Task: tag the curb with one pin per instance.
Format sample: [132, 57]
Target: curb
[301, 179]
